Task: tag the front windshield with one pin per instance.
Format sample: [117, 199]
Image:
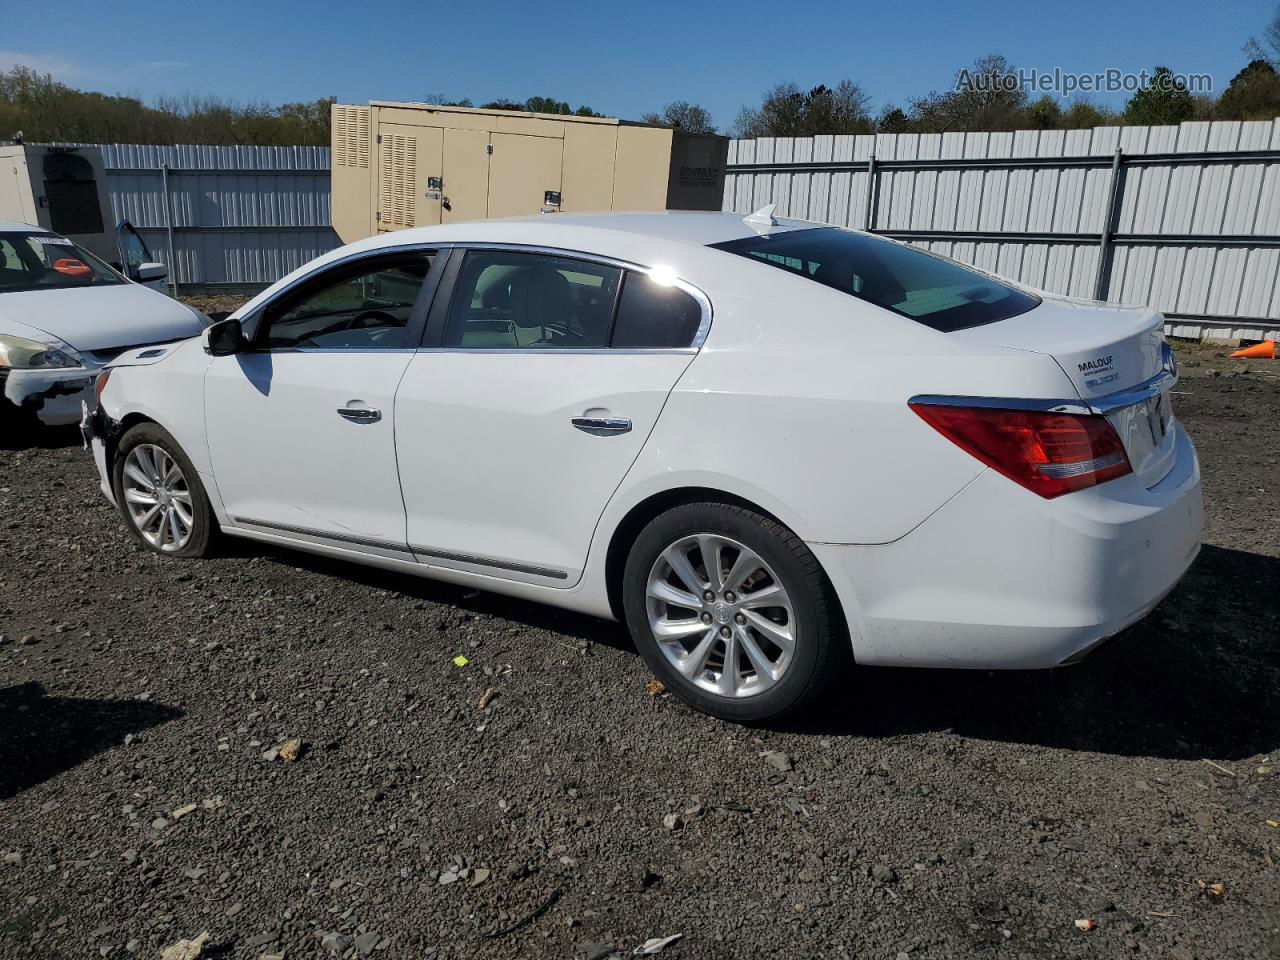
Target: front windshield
[45, 261]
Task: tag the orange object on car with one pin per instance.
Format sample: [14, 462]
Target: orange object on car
[72, 267]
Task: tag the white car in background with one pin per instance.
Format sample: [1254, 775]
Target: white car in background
[64, 313]
[761, 443]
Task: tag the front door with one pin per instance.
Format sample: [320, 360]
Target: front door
[300, 428]
[513, 432]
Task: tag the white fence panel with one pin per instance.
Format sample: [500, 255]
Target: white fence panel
[1186, 219]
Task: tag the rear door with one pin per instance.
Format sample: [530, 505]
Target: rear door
[518, 422]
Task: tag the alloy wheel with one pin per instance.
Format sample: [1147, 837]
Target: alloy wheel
[720, 615]
[157, 497]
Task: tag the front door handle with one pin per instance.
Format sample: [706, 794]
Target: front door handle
[601, 426]
[360, 414]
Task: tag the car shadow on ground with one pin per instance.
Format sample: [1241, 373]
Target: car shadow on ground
[22, 437]
[1200, 677]
[41, 736]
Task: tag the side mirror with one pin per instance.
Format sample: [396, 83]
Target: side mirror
[145, 272]
[225, 338]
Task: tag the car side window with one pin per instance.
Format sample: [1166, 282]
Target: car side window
[358, 305]
[527, 301]
[654, 315]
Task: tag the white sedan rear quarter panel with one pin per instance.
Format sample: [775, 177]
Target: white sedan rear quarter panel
[798, 402]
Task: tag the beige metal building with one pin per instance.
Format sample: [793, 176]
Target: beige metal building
[62, 189]
[398, 165]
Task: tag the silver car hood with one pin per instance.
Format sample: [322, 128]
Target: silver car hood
[101, 318]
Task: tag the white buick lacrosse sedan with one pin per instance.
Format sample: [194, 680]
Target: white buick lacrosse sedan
[765, 445]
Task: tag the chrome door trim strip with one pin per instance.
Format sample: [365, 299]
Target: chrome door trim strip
[562, 351]
[435, 554]
[414, 549]
[324, 535]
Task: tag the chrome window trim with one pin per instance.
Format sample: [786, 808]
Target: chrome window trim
[339, 350]
[704, 302]
[699, 337]
[561, 351]
[254, 316]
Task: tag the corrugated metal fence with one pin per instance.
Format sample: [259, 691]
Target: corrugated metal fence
[224, 218]
[1184, 218]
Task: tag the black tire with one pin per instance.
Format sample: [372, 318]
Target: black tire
[204, 526]
[819, 637]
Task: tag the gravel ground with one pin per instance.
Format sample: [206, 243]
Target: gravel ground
[144, 797]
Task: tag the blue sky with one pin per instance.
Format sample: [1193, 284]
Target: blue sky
[620, 58]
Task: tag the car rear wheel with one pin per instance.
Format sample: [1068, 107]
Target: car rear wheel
[160, 494]
[731, 610]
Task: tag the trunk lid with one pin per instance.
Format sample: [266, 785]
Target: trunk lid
[1116, 358]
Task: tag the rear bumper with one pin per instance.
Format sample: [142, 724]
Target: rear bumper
[999, 578]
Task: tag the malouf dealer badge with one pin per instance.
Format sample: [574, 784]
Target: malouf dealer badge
[1098, 371]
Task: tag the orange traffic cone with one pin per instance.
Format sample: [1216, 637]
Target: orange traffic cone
[1266, 349]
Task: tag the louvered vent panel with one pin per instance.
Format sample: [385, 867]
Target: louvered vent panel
[351, 129]
[398, 181]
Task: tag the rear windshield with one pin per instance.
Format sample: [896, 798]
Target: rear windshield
[45, 261]
[932, 290]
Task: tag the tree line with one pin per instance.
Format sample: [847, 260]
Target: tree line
[988, 104]
[40, 108]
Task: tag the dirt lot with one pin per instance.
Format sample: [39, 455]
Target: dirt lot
[916, 815]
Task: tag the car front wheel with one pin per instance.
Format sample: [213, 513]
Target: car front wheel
[160, 494]
[731, 611]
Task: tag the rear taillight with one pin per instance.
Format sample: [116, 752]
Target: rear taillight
[1048, 453]
[99, 384]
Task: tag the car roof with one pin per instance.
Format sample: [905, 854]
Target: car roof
[698, 228]
[17, 226]
[642, 238]
[684, 226]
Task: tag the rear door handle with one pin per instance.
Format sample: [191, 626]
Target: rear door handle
[360, 414]
[602, 426]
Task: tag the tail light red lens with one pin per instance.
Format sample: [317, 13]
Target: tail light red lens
[1048, 453]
